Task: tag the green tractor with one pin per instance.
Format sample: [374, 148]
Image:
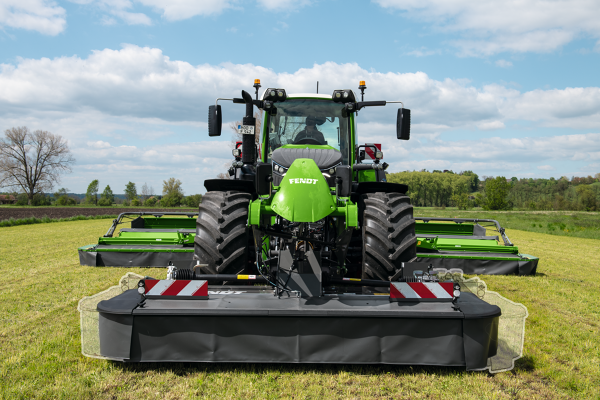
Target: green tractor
[305, 192]
[306, 255]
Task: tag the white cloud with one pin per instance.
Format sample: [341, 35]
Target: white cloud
[490, 26]
[423, 52]
[490, 126]
[504, 64]
[139, 97]
[176, 10]
[283, 5]
[491, 156]
[99, 144]
[142, 82]
[43, 16]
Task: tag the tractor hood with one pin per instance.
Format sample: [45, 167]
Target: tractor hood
[303, 195]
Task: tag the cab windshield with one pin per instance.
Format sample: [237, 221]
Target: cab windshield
[310, 122]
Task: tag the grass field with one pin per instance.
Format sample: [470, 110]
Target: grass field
[562, 223]
[41, 282]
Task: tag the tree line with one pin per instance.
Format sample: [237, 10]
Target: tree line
[466, 190]
[31, 164]
[172, 195]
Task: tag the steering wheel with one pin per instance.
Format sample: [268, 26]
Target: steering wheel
[308, 141]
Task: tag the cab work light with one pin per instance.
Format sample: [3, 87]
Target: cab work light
[343, 96]
[274, 95]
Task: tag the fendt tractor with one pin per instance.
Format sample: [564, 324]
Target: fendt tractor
[311, 256]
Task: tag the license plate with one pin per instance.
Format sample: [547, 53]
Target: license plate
[246, 129]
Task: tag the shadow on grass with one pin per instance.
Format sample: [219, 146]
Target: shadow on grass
[183, 369]
[524, 364]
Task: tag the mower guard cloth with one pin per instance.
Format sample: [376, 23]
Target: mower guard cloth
[477, 264]
[251, 327]
[140, 256]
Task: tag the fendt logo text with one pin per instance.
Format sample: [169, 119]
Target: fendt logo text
[302, 180]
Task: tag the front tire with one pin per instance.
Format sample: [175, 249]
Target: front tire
[221, 232]
[388, 233]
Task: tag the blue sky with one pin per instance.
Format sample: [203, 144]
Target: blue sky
[502, 88]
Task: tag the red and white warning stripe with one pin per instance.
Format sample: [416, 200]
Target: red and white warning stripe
[419, 291]
[371, 149]
[179, 289]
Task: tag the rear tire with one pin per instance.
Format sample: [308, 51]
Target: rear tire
[221, 233]
[388, 233]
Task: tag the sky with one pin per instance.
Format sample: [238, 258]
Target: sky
[507, 88]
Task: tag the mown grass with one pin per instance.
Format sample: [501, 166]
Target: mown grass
[45, 220]
[562, 223]
[41, 282]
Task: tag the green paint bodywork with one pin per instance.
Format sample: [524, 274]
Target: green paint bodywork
[443, 244]
[304, 195]
[176, 241]
[149, 238]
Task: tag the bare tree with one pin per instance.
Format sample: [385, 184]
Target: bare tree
[146, 192]
[237, 137]
[32, 162]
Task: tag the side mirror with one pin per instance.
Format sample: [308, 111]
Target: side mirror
[343, 176]
[264, 176]
[214, 120]
[403, 124]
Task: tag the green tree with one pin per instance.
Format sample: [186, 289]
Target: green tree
[130, 191]
[462, 201]
[91, 195]
[62, 199]
[474, 180]
[496, 194]
[172, 193]
[587, 197]
[107, 198]
[193, 200]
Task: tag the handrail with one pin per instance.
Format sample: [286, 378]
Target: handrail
[500, 229]
[117, 221]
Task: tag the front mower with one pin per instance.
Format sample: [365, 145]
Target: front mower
[325, 247]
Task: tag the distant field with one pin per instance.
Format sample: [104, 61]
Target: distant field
[8, 212]
[563, 223]
[41, 282]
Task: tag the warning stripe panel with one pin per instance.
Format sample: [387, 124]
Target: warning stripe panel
[176, 289]
[371, 149]
[159, 287]
[406, 291]
[421, 291]
[438, 290]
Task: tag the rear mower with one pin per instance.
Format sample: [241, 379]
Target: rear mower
[331, 245]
